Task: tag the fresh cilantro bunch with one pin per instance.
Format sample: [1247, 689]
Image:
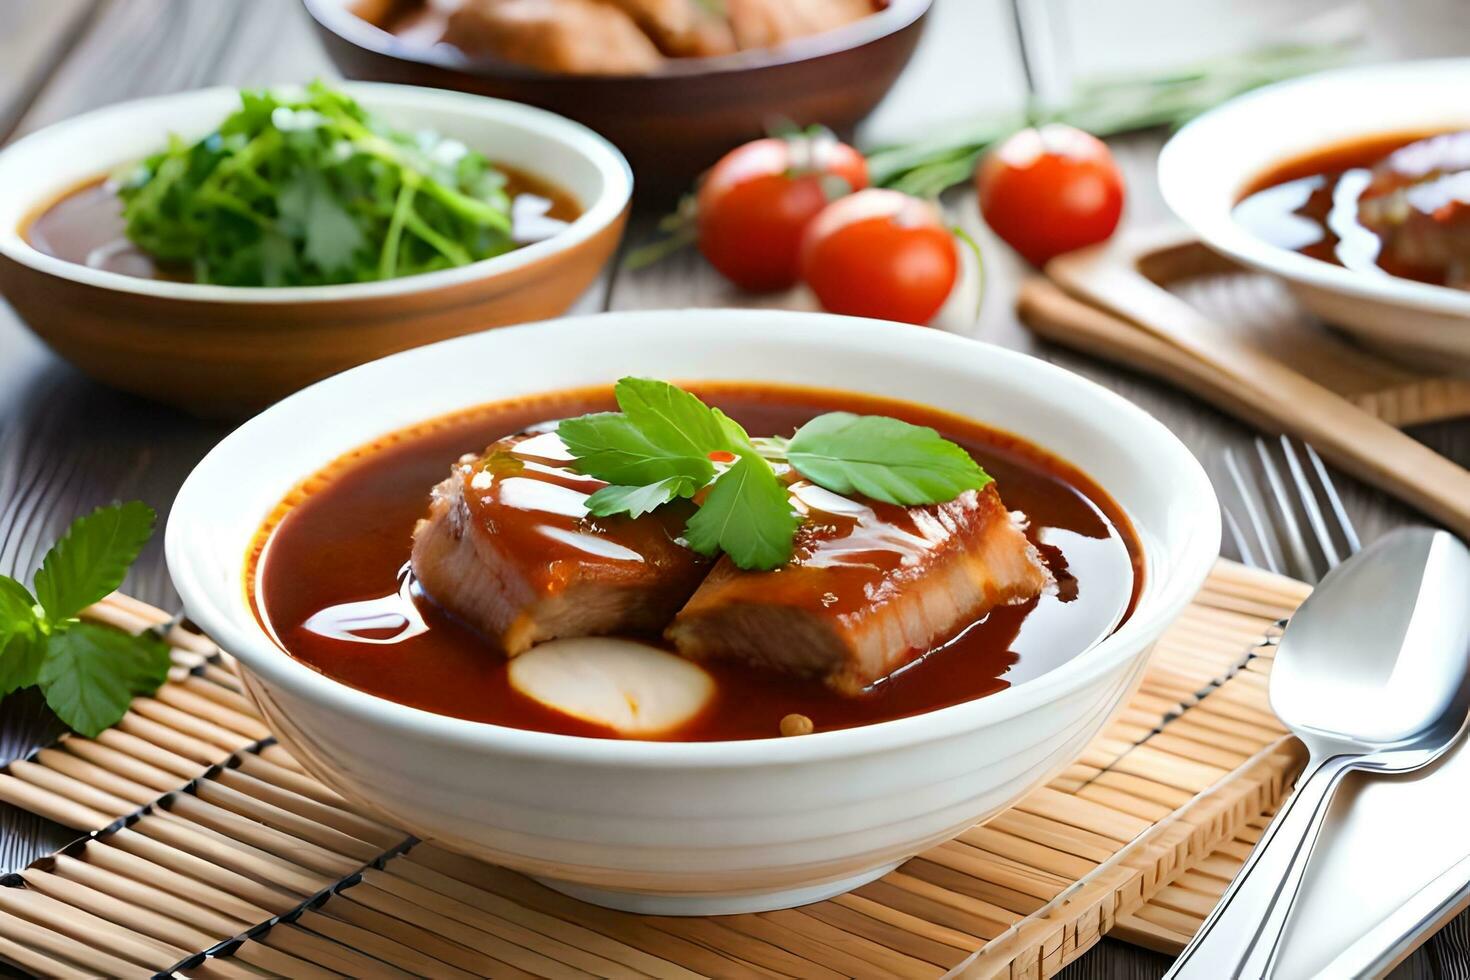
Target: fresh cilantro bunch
[666, 444]
[314, 190]
[88, 672]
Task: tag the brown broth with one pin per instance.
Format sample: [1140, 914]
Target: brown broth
[1309, 205]
[85, 225]
[344, 537]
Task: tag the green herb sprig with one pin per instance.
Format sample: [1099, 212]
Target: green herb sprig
[1107, 106]
[311, 191]
[666, 444]
[88, 672]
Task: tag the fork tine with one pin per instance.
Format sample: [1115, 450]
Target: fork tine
[1253, 516]
[1237, 535]
[1308, 497]
[1329, 490]
[1306, 568]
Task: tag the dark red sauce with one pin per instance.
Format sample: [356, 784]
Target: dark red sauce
[1311, 205]
[344, 537]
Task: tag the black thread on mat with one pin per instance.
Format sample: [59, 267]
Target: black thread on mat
[224, 947]
[77, 844]
[1271, 639]
[228, 947]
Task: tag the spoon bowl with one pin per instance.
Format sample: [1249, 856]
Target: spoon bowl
[1374, 659]
[1373, 673]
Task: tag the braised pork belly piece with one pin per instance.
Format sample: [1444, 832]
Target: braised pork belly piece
[625, 37]
[871, 588]
[1418, 204]
[509, 549]
[767, 23]
[583, 37]
[681, 28]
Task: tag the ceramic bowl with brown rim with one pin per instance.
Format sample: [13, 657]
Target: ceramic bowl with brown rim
[675, 121]
[226, 351]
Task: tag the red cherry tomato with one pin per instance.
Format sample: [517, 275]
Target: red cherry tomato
[1050, 190]
[755, 203]
[882, 254]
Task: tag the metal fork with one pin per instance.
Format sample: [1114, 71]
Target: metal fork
[1282, 511]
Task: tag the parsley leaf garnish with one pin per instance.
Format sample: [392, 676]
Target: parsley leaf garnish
[747, 515]
[662, 432]
[635, 501]
[882, 458]
[88, 672]
[665, 443]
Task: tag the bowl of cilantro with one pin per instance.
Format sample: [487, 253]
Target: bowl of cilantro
[219, 249]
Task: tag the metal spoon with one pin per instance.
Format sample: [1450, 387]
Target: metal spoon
[1372, 673]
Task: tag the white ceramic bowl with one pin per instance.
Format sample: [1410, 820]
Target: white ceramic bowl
[713, 827]
[1205, 168]
[231, 350]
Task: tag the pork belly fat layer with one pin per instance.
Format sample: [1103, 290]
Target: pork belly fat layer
[508, 548]
[872, 587]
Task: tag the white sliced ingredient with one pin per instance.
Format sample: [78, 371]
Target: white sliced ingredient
[630, 687]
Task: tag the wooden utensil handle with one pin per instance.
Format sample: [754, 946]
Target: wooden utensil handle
[1350, 437]
[1062, 318]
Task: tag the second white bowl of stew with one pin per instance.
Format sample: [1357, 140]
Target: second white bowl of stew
[1353, 186]
[693, 612]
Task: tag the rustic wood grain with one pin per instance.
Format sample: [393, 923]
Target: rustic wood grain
[35, 41]
[66, 445]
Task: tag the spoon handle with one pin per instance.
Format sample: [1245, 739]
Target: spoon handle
[1239, 938]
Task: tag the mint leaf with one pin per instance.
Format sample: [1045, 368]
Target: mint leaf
[92, 558]
[747, 515]
[90, 673]
[611, 447]
[17, 605]
[637, 501]
[883, 458]
[21, 652]
[19, 649]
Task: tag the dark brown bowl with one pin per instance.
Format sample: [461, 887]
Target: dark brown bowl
[673, 123]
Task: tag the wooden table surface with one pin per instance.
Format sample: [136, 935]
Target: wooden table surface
[67, 445]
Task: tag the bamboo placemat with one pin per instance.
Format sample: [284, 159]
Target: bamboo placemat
[1170, 920]
[210, 853]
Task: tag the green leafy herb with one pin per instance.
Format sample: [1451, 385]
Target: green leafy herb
[91, 558]
[635, 501]
[747, 515]
[882, 458]
[88, 672]
[91, 672]
[666, 444]
[313, 190]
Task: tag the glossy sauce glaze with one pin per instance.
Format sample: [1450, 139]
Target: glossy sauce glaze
[85, 225]
[533, 475]
[329, 576]
[1313, 205]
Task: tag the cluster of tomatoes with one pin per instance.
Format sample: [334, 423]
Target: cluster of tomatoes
[775, 212]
